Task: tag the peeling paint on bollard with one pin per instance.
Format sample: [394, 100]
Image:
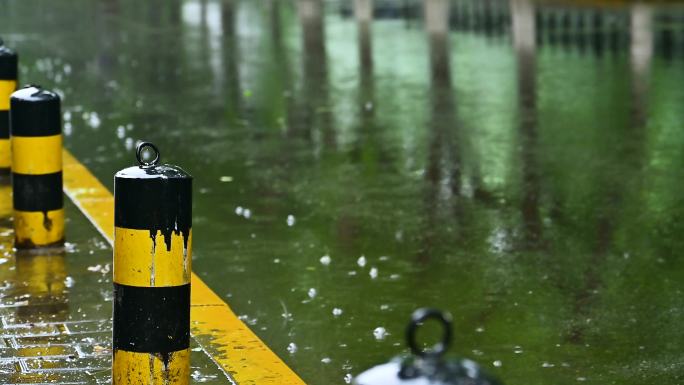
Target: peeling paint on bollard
[152, 270]
[36, 141]
[8, 84]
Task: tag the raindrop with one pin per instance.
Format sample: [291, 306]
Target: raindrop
[290, 220]
[247, 213]
[373, 273]
[326, 360]
[337, 312]
[361, 261]
[129, 143]
[68, 129]
[292, 348]
[94, 120]
[312, 293]
[121, 132]
[379, 333]
[69, 282]
[497, 363]
[199, 377]
[348, 378]
[325, 260]
[226, 179]
[239, 210]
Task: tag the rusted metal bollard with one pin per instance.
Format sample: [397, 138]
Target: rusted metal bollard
[152, 268]
[36, 141]
[8, 84]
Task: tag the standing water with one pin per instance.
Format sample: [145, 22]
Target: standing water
[516, 163]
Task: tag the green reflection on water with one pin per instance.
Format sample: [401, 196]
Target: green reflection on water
[534, 193]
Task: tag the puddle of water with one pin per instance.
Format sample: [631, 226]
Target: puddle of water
[526, 179]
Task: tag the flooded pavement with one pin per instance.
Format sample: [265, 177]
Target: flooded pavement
[518, 164]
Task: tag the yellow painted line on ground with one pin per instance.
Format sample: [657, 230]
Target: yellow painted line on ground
[226, 339]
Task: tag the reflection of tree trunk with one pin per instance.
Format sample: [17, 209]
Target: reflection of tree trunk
[524, 42]
[630, 156]
[315, 104]
[641, 55]
[175, 12]
[107, 59]
[280, 56]
[231, 59]
[363, 11]
[597, 33]
[443, 161]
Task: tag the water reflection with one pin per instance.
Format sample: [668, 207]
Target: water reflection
[315, 121]
[41, 280]
[443, 169]
[5, 201]
[528, 183]
[525, 45]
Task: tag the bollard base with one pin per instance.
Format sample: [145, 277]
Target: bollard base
[29, 248]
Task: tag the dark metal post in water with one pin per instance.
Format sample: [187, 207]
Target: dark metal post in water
[36, 141]
[152, 269]
[8, 84]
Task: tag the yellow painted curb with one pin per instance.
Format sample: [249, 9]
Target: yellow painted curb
[243, 357]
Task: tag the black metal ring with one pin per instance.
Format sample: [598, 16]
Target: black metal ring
[417, 319]
[139, 150]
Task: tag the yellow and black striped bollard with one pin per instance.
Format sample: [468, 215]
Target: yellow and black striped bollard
[152, 268]
[36, 138]
[8, 84]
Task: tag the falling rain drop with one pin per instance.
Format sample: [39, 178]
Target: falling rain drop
[337, 312]
[361, 261]
[373, 273]
[292, 348]
[290, 220]
[325, 260]
[380, 333]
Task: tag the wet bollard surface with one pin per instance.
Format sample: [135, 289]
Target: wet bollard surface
[152, 268]
[8, 84]
[36, 141]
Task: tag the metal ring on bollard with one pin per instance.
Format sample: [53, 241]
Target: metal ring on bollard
[138, 154]
[417, 318]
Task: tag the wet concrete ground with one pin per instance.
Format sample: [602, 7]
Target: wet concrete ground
[348, 171]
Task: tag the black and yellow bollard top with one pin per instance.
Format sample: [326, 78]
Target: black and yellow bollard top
[154, 197]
